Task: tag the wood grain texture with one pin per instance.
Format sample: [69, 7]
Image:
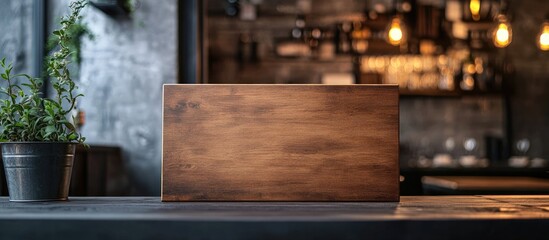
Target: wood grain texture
[280, 143]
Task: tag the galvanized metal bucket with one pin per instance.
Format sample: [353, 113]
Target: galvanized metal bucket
[38, 171]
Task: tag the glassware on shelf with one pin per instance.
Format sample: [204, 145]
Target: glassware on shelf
[521, 160]
[424, 162]
[359, 38]
[538, 163]
[469, 159]
[445, 159]
[414, 72]
[343, 38]
[523, 145]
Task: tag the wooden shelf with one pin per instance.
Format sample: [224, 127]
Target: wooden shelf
[428, 93]
[498, 170]
[306, 60]
[446, 93]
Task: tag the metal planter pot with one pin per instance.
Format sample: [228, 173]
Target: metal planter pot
[38, 171]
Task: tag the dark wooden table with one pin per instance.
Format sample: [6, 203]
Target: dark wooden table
[435, 217]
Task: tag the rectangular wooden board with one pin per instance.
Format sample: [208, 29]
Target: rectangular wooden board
[280, 143]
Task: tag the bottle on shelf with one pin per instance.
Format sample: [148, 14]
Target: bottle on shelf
[343, 37]
[359, 38]
[297, 46]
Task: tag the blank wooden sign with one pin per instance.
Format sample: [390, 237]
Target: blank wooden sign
[280, 143]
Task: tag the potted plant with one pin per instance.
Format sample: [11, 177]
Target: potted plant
[38, 139]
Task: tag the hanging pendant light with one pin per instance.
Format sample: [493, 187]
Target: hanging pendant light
[396, 31]
[502, 35]
[543, 36]
[474, 7]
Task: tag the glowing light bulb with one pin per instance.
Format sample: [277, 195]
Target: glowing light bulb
[474, 6]
[396, 32]
[544, 41]
[543, 37]
[502, 34]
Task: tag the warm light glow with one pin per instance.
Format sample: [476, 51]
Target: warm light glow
[395, 32]
[543, 37]
[502, 35]
[544, 41]
[474, 6]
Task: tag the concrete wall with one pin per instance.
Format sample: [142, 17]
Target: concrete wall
[121, 75]
[15, 33]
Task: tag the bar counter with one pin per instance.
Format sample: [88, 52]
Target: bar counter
[425, 217]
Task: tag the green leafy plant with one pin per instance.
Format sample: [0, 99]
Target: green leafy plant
[25, 115]
[77, 31]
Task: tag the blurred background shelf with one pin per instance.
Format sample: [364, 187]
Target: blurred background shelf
[413, 179]
[450, 94]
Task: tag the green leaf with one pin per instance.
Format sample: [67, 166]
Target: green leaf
[69, 125]
[23, 75]
[27, 85]
[50, 129]
[73, 136]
